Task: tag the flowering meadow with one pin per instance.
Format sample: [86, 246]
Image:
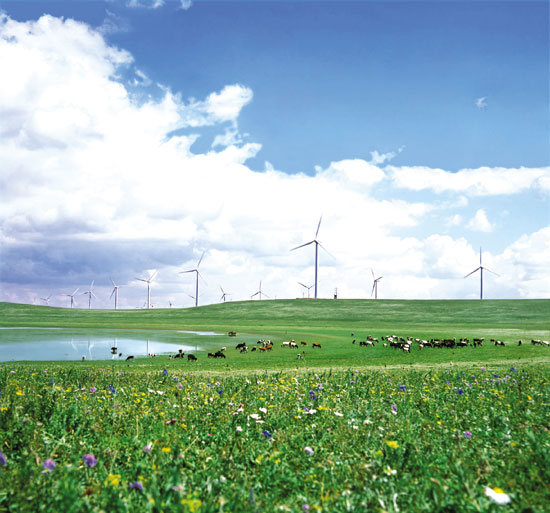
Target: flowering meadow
[112, 438]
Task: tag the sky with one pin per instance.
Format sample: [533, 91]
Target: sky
[139, 136]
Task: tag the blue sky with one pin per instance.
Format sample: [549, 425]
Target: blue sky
[419, 129]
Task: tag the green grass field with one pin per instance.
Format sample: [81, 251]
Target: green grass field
[347, 428]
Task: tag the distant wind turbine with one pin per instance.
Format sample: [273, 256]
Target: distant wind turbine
[196, 270]
[224, 294]
[90, 294]
[317, 244]
[72, 296]
[306, 287]
[148, 281]
[481, 269]
[375, 285]
[115, 292]
[46, 299]
[260, 293]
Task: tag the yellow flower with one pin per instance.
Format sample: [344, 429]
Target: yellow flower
[113, 479]
[166, 449]
[392, 443]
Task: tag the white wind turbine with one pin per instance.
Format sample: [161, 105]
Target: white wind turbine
[306, 287]
[224, 294]
[259, 293]
[90, 293]
[115, 292]
[317, 244]
[72, 296]
[481, 269]
[375, 285]
[196, 270]
[148, 281]
[46, 299]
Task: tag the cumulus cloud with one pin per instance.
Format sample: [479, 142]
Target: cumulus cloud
[483, 181]
[480, 222]
[95, 185]
[481, 103]
[185, 4]
[146, 4]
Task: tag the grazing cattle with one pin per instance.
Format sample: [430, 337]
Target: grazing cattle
[499, 343]
[223, 348]
[366, 343]
[254, 348]
[244, 349]
[180, 354]
[299, 356]
[191, 358]
[232, 333]
[211, 355]
[535, 341]
[293, 345]
[303, 342]
[269, 347]
[520, 342]
[241, 345]
[219, 354]
[262, 348]
[285, 344]
[129, 358]
[316, 344]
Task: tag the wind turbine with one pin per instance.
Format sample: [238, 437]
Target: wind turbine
[148, 287]
[481, 269]
[259, 292]
[196, 270]
[224, 294]
[46, 299]
[72, 296]
[115, 292]
[306, 287]
[90, 294]
[317, 244]
[375, 285]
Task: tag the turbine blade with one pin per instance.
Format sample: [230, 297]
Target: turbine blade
[114, 284]
[152, 276]
[305, 286]
[379, 278]
[75, 291]
[191, 271]
[303, 245]
[200, 259]
[372, 272]
[475, 270]
[373, 286]
[485, 269]
[318, 226]
[326, 251]
[140, 279]
[112, 294]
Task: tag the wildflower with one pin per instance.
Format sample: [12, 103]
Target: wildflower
[3, 459]
[267, 434]
[394, 409]
[312, 395]
[112, 389]
[89, 460]
[164, 373]
[402, 387]
[513, 369]
[178, 488]
[239, 429]
[48, 465]
[308, 450]
[112, 479]
[93, 390]
[305, 507]
[392, 443]
[137, 485]
[220, 391]
[467, 434]
[497, 495]
[338, 414]
[166, 450]
[460, 391]
[147, 448]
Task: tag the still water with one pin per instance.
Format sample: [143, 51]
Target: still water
[72, 344]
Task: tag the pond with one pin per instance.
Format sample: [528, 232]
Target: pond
[18, 344]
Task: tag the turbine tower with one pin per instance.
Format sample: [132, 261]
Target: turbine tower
[72, 296]
[306, 287]
[375, 285]
[317, 244]
[480, 269]
[259, 293]
[196, 270]
[148, 281]
[90, 294]
[115, 292]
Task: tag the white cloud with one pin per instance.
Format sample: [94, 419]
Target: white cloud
[147, 4]
[480, 222]
[481, 103]
[94, 187]
[380, 158]
[185, 4]
[483, 181]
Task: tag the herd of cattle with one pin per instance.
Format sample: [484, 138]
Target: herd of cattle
[393, 341]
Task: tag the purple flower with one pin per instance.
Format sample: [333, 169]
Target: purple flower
[394, 408]
[48, 465]
[220, 391]
[513, 369]
[164, 373]
[89, 460]
[308, 450]
[112, 389]
[3, 459]
[312, 395]
[147, 448]
[267, 434]
[402, 387]
[467, 434]
[137, 485]
[460, 391]
[93, 390]
[305, 507]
